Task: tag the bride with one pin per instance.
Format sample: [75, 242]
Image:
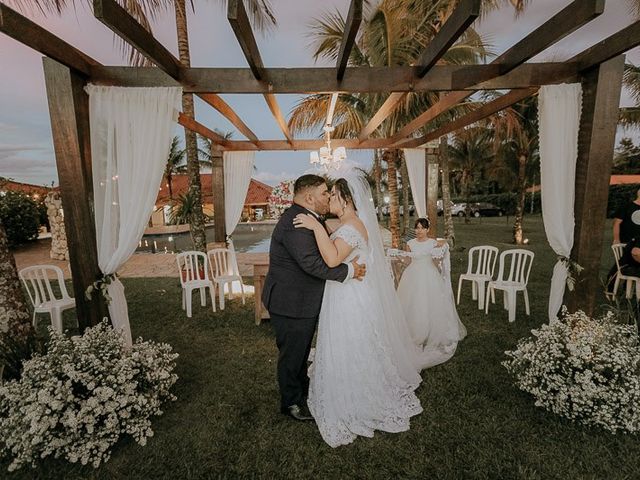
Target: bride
[365, 370]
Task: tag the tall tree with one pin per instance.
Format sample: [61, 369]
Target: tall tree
[449, 233]
[175, 164]
[13, 307]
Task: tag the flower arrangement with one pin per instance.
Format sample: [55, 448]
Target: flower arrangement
[584, 369]
[281, 197]
[86, 392]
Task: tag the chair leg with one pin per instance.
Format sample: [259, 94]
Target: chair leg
[486, 304]
[493, 295]
[459, 287]
[628, 292]
[505, 299]
[512, 306]
[34, 321]
[212, 294]
[526, 301]
[56, 319]
[242, 291]
[481, 294]
[616, 284]
[221, 295]
[184, 296]
[188, 298]
[474, 290]
[203, 297]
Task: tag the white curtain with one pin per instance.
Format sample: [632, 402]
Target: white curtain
[559, 108]
[416, 165]
[238, 167]
[131, 132]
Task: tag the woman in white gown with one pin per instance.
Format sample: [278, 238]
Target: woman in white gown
[427, 298]
[362, 378]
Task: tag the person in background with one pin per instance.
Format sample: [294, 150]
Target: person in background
[626, 229]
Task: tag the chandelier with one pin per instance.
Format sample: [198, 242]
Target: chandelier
[327, 158]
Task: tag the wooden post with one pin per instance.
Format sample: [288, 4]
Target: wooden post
[600, 100]
[431, 157]
[217, 182]
[69, 112]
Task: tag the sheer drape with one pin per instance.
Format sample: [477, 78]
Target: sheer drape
[559, 108]
[416, 166]
[131, 132]
[238, 167]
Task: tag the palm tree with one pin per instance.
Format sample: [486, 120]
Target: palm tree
[471, 151]
[449, 233]
[516, 135]
[262, 16]
[394, 33]
[630, 116]
[175, 164]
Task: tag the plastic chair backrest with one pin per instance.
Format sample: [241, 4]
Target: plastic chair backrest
[38, 284]
[482, 260]
[193, 266]
[519, 262]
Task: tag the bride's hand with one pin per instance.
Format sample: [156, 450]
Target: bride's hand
[306, 221]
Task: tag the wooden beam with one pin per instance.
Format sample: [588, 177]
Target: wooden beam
[69, 112]
[478, 114]
[223, 107]
[598, 122]
[357, 79]
[219, 209]
[25, 31]
[123, 24]
[239, 21]
[463, 16]
[195, 126]
[354, 18]
[610, 47]
[277, 114]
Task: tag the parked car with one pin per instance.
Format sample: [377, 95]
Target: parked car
[459, 209]
[386, 213]
[440, 208]
[484, 209]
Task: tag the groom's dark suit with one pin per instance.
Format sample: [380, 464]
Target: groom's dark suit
[292, 294]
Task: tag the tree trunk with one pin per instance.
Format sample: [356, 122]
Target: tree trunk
[466, 194]
[169, 176]
[517, 223]
[13, 308]
[404, 176]
[446, 197]
[196, 224]
[391, 157]
[377, 175]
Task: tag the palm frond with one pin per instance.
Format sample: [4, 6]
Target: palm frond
[630, 117]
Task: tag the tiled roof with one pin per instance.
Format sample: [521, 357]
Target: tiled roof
[258, 193]
[29, 189]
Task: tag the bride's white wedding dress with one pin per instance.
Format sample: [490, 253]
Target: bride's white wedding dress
[360, 380]
[427, 300]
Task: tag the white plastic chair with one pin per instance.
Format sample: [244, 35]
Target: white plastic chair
[618, 251]
[38, 284]
[519, 262]
[193, 268]
[480, 269]
[225, 271]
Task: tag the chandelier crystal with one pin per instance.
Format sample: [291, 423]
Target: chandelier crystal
[327, 158]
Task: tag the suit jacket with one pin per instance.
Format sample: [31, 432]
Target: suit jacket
[294, 285]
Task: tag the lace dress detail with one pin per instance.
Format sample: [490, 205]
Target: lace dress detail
[355, 385]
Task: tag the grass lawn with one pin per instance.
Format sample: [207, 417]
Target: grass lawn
[226, 424]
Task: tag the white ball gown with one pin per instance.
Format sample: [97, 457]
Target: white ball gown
[360, 380]
[427, 300]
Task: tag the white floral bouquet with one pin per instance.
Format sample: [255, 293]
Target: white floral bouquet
[78, 399]
[584, 369]
[281, 197]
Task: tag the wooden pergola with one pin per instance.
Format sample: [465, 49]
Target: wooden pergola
[599, 69]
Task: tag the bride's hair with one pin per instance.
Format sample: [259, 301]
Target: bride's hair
[424, 222]
[342, 186]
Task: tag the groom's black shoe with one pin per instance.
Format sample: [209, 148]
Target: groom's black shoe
[298, 412]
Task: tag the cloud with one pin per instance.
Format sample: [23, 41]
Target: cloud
[274, 178]
[7, 151]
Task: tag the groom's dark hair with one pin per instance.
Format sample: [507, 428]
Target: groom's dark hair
[307, 181]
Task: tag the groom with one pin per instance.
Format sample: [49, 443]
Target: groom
[294, 288]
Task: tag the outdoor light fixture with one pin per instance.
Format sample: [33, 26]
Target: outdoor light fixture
[326, 157]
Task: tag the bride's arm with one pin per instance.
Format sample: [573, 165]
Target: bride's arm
[333, 253]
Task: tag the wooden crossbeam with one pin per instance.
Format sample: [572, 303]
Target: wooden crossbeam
[225, 109]
[123, 24]
[478, 114]
[200, 129]
[463, 16]
[23, 30]
[610, 47]
[237, 16]
[239, 21]
[354, 18]
[323, 80]
[557, 27]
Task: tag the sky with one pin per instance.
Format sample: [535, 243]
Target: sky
[26, 148]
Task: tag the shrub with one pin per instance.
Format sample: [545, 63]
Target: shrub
[86, 392]
[584, 369]
[20, 216]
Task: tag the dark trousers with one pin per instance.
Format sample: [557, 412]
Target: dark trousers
[293, 338]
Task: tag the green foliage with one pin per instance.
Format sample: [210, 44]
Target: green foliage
[20, 216]
[620, 195]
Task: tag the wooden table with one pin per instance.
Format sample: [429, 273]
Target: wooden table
[260, 269]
